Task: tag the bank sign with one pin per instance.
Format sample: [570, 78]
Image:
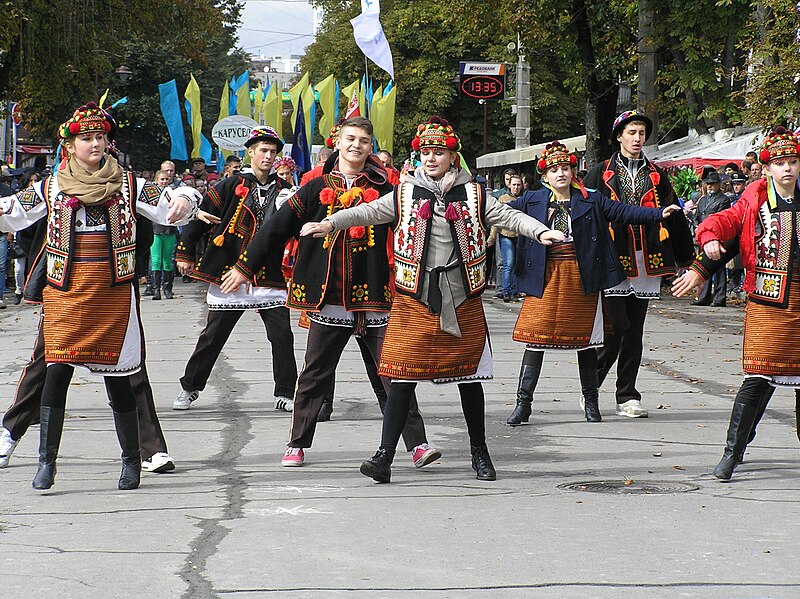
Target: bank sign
[231, 132]
[482, 80]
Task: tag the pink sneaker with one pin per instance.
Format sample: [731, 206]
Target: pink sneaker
[294, 456]
[424, 454]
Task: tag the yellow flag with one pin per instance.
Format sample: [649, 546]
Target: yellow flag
[192, 95]
[272, 110]
[243, 100]
[327, 102]
[224, 108]
[103, 98]
[362, 100]
[258, 104]
[383, 111]
[303, 88]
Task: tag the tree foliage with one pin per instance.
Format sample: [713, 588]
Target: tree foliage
[63, 53]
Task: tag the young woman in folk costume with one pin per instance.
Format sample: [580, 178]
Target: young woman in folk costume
[766, 219]
[437, 330]
[91, 309]
[563, 308]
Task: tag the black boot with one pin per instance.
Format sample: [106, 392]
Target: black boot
[482, 463]
[156, 284]
[379, 466]
[325, 411]
[762, 407]
[50, 429]
[587, 370]
[528, 377]
[127, 425]
[148, 289]
[743, 417]
[167, 278]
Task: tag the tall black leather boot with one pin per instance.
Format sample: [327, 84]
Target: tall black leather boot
[743, 416]
[148, 289]
[168, 276]
[156, 284]
[587, 370]
[761, 408]
[528, 378]
[50, 429]
[482, 463]
[127, 425]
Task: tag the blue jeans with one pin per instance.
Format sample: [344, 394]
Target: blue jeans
[508, 281]
[3, 262]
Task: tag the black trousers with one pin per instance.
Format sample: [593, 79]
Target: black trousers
[219, 327]
[24, 410]
[624, 344]
[323, 352]
[719, 285]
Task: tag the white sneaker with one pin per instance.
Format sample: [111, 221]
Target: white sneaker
[185, 399]
[158, 463]
[284, 403]
[7, 447]
[632, 409]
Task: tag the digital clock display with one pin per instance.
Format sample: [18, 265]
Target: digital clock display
[483, 87]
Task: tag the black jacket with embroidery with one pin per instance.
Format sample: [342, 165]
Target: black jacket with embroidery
[361, 261]
[233, 235]
[665, 245]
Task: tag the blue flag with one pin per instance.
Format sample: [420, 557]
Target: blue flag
[301, 152]
[171, 111]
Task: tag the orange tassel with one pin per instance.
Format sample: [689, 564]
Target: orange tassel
[663, 234]
[219, 240]
[611, 232]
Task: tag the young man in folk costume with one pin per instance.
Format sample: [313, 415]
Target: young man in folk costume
[766, 220]
[342, 281]
[242, 204]
[437, 330]
[90, 304]
[647, 252]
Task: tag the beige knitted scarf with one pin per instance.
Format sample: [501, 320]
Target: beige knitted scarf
[91, 188]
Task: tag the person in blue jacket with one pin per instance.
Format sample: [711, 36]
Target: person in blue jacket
[563, 307]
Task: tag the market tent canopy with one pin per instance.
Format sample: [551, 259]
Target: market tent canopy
[699, 151]
[528, 154]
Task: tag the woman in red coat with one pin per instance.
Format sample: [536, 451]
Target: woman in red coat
[767, 221]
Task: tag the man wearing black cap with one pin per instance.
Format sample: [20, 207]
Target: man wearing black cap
[199, 168]
[714, 201]
[646, 252]
[240, 205]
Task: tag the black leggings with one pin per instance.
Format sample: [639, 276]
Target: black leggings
[399, 400]
[58, 377]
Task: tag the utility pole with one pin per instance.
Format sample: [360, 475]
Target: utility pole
[522, 131]
[646, 84]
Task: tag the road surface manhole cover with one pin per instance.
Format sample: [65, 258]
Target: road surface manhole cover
[630, 487]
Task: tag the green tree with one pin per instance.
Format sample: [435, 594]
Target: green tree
[63, 53]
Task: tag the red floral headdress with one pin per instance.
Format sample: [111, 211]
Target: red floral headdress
[555, 153]
[436, 133]
[89, 118]
[779, 144]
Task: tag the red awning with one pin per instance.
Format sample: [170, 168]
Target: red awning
[28, 149]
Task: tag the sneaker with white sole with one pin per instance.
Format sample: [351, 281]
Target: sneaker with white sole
[284, 403]
[185, 399]
[7, 447]
[424, 454]
[293, 456]
[632, 409]
[158, 462]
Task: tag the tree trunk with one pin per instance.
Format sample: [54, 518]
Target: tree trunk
[601, 94]
[691, 99]
[646, 91]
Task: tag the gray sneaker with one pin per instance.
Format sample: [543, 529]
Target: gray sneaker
[185, 399]
[7, 447]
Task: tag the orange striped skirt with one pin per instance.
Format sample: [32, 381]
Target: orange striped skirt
[564, 317]
[416, 349]
[770, 336]
[87, 322]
